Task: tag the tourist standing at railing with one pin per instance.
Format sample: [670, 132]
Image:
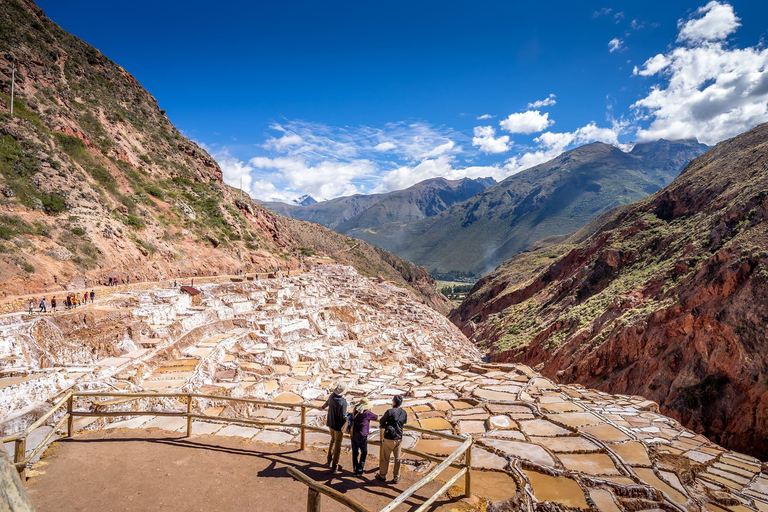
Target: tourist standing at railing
[391, 425]
[337, 417]
[361, 423]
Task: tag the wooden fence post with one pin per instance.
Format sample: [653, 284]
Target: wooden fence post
[69, 418]
[304, 436]
[313, 500]
[19, 454]
[468, 474]
[189, 415]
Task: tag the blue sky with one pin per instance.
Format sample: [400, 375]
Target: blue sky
[333, 98]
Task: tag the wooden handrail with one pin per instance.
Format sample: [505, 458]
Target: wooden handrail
[313, 504]
[428, 477]
[315, 488]
[39, 421]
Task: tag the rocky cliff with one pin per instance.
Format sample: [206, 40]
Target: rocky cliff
[665, 298]
[96, 182]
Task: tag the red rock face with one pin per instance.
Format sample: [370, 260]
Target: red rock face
[668, 299]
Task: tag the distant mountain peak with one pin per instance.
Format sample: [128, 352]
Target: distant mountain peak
[305, 200]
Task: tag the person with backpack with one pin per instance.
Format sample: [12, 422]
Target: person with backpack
[337, 417]
[391, 425]
[92, 296]
[42, 306]
[361, 421]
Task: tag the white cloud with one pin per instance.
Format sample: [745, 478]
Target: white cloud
[439, 150]
[652, 65]
[485, 116]
[384, 146]
[718, 22]
[615, 45]
[442, 166]
[605, 11]
[326, 179]
[552, 144]
[485, 138]
[546, 102]
[234, 172]
[530, 121]
[710, 91]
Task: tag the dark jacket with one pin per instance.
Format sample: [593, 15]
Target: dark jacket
[337, 411]
[394, 418]
[361, 423]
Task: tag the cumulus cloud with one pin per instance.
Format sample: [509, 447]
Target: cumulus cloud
[652, 65]
[384, 146]
[442, 166]
[716, 21]
[485, 139]
[325, 179]
[552, 144]
[710, 90]
[530, 121]
[546, 102]
[615, 45]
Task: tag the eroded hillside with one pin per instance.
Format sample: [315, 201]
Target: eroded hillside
[666, 298]
[96, 182]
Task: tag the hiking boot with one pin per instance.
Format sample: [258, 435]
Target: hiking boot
[382, 478]
[337, 469]
[396, 480]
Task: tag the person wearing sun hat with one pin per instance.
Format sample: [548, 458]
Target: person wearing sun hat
[361, 421]
[337, 417]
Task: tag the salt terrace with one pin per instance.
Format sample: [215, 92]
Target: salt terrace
[288, 339]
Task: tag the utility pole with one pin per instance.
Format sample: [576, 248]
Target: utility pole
[13, 79]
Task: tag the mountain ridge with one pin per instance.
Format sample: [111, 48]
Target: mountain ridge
[664, 298]
[553, 198]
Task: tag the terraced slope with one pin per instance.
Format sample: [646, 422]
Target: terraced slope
[665, 298]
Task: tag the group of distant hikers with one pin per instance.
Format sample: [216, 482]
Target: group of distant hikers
[113, 281]
[71, 301]
[357, 425]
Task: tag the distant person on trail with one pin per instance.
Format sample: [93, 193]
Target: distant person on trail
[92, 296]
[68, 301]
[193, 282]
[110, 282]
[53, 304]
[85, 298]
[128, 279]
[31, 306]
[174, 283]
[391, 425]
[42, 306]
[337, 417]
[361, 422]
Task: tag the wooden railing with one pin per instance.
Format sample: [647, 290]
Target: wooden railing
[21, 459]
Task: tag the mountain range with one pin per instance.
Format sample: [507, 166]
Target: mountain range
[96, 182]
[466, 234]
[665, 298]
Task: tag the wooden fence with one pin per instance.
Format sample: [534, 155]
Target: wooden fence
[315, 489]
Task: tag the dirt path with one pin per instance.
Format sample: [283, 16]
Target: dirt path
[146, 471]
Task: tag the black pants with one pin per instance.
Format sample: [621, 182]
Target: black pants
[359, 448]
